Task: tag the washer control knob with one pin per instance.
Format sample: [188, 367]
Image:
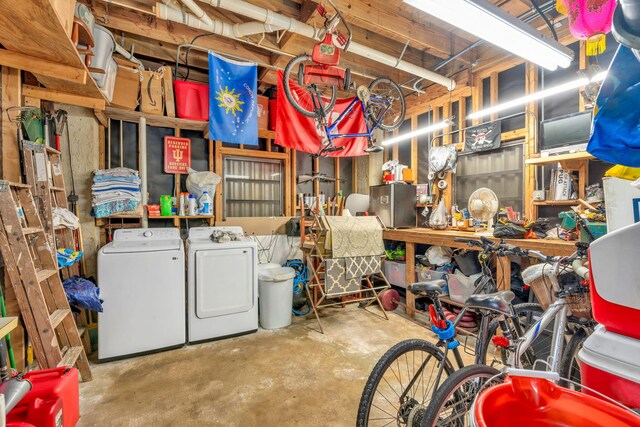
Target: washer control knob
[147, 233]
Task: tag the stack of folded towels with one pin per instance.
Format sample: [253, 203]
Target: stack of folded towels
[114, 191]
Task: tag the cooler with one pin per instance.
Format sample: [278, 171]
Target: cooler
[610, 364]
[53, 401]
[615, 273]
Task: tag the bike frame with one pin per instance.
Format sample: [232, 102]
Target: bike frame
[558, 311]
[329, 129]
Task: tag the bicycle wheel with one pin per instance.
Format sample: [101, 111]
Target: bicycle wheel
[570, 368]
[304, 100]
[386, 107]
[401, 384]
[527, 314]
[451, 405]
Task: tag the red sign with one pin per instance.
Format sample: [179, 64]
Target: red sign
[177, 154]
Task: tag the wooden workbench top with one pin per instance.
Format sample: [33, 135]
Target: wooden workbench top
[446, 238]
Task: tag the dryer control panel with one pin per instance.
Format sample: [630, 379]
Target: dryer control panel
[145, 234]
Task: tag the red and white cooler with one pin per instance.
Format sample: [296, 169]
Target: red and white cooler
[615, 281]
[610, 364]
[610, 357]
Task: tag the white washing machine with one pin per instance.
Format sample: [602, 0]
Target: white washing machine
[222, 285]
[141, 275]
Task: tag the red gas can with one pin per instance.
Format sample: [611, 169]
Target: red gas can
[53, 400]
[192, 100]
[39, 412]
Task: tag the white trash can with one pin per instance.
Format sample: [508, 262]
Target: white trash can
[275, 296]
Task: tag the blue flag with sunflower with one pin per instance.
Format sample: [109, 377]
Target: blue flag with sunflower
[233, 101]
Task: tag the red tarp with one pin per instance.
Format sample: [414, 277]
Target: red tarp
[300, 132]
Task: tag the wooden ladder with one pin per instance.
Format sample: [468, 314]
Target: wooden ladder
[32, 267]
[43, 170]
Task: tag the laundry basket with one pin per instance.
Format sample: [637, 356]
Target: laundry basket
[533, 402]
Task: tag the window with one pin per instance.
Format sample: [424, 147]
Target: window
[252, 187]
[500, 170]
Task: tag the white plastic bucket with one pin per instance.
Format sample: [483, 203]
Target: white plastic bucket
[275, 296]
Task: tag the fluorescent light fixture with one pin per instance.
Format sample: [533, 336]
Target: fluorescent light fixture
[489, 22]
[418, 132]
[575, 84]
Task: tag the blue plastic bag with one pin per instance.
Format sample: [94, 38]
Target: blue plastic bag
[616, 126]
[83, 293]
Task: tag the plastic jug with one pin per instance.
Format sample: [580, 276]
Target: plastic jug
[206, 204]
[165, 205]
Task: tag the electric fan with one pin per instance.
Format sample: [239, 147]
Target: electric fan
[483, 206]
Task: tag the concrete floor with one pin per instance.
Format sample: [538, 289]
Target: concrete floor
[289, 377]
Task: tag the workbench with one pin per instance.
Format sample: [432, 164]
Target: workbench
[412, 236]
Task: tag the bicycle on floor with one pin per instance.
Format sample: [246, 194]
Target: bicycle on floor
[319, 79]
[451, 403]
[405, 378]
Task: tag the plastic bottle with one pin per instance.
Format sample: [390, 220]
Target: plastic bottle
[183, 204]
[206, 204]
[192, 205]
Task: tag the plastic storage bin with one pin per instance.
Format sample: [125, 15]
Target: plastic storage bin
[610, 364]
[395, 272]
[53, 401]
[192, 100]
[524, 402]
[275, 296]
[622, 202]
[613, 261]
[461, 287]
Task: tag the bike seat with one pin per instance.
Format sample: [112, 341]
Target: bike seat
[499, 301]
[432, 287]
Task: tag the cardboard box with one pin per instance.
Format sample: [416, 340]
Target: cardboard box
[126, 94]
[151, 90]
[263, 112]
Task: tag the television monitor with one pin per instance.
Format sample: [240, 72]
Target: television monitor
[566, 132]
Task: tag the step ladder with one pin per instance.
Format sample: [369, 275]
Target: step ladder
[32, 268]
[43, 170]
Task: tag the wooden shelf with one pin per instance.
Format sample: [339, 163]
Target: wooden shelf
[556, 203]
[549, 160]
[40, 31]
[7, 324]
[266, 134]
[183, 217]
[422, 205]
[156, 120]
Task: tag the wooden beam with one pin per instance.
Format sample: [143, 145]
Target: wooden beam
[63, 97]
[398, 21]
[493, 87]
[252, 153]
[156, 120]
[101, 117]
[119, 18]
[476, 98]
[531, 123]
[10, 88]
[462, 121]
[446, 113]
[43, 67]
[414, 149]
